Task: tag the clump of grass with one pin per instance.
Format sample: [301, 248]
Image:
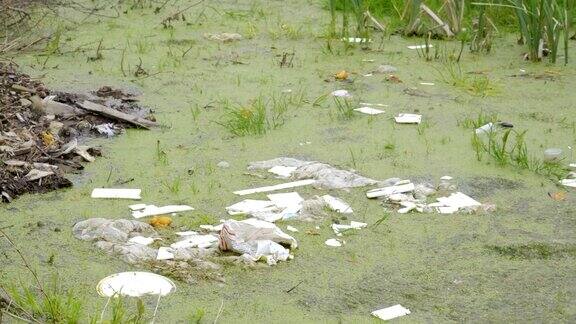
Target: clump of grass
[249, 120]
[345, 11]
[482, 119]
[344, 108]
[508, 148]
[483, 33]
[531, 251]
[259, 116]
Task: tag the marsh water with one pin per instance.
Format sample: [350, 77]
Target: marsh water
[444, 268]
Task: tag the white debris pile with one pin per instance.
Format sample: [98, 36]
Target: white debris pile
[130, 240]
[256, 240]
[408, 197]
[325, 175]
[285, 206]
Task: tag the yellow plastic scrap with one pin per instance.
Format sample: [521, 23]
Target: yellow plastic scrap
[48, 139]
[342, 75]
[160, 221]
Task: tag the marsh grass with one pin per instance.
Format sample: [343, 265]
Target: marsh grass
[351, 15]
[480, 120]
[259, 116]
[508, 148]
[345, 108]
[161, 155]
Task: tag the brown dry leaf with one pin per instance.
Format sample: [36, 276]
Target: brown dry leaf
[393, 78]
[312, 232]
[48, 139]
[558, 196]
[342, 75]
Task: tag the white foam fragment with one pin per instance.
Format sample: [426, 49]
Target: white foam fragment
[339, 228]
[337, 204]
[485, 129]
[391, 312]
[568, 182]
[282, 171]
[291, 228]
[333, 242]
[249, 206]
[408, 206]
[373, 104]
[212, 228]
[458, 200]
[427, 83]
[369, 111]
[356, 40]
[141, 240]
[341, 93]
[108, 193]
[187, 233]
[165, 253]
[286, 200]
[413, 47]
[281, 186]
[152, 210]
[200, 241]
[387, 191]
[408, 119]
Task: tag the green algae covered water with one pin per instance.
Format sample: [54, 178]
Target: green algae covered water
[444, 268]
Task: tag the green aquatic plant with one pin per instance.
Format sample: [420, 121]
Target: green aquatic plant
[480, 120]
[508, 148]
[259, 116]
[247, 120]
[344, 108]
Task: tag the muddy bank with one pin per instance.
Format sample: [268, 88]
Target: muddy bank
[45, 134]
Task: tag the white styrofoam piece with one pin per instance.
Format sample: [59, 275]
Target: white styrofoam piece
[369, 111]
[135, 284]
[387, 191]
[337, 204]
[141, 240]
[282, 171]
[151, 210]
[333, 242]
[391, 312]
[164, 253]
[408, 119]
[281, 186]
[111, 193]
